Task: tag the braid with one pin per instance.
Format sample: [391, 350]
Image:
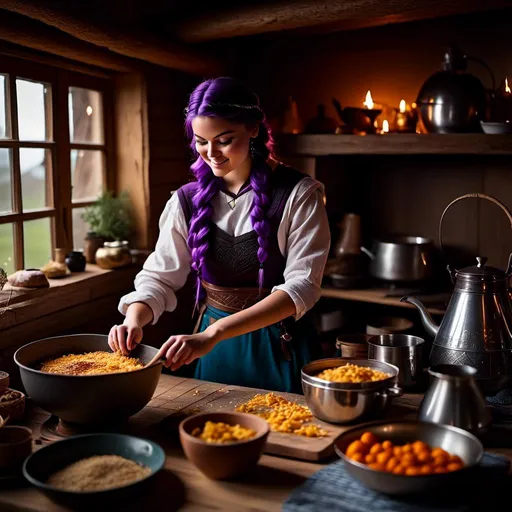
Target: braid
[200, 222]
[260, 183]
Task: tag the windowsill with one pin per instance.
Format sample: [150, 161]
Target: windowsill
[28, 304]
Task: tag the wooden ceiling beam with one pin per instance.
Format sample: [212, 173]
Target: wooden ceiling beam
[129, 43]
[342, 14]
[37, 36]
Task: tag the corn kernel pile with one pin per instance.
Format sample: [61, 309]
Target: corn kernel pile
[353, 374]
[282, 415]
[219, 432]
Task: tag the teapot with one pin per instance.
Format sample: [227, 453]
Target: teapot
[358, 119]
[476, 329]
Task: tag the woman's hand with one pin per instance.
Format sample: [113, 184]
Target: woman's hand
[183, 349]
[125, 337]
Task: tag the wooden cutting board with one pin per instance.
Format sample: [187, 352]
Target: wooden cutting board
[177, 397]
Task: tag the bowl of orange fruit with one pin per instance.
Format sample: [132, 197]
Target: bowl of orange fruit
[407, 457]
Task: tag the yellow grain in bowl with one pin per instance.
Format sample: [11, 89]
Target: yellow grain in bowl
[219, 432]
[91, 363]
[351, 373]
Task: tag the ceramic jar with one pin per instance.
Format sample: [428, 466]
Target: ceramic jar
[92, 243]
[75, 260]
[113, 255]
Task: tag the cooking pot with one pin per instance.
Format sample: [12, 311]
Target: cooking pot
[401, 258]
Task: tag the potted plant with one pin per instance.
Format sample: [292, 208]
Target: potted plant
[109, 219]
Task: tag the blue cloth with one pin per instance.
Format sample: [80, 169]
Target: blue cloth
[332, 488]
[256, 359]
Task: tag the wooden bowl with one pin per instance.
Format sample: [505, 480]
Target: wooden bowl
[12, 404]
[224, 460]
[15, 447]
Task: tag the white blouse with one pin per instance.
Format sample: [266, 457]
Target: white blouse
[303, 239]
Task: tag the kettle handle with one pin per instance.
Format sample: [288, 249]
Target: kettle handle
[478, 195]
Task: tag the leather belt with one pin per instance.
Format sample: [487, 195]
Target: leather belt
[232, 300]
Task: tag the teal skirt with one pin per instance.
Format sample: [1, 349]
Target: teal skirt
[256, 359]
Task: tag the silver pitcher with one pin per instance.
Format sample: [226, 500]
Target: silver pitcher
[453, 398]
[476, 329]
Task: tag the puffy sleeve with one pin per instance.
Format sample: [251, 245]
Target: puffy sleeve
[304, 239]
[166, 269]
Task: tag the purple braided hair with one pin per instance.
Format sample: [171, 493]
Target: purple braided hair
[226, 98]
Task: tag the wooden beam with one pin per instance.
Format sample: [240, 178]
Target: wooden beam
[129, 43]
[342, 14]
[38, 36]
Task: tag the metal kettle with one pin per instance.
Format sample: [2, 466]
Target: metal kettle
[452, 100]
[476, 329]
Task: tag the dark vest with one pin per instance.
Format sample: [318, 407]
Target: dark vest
[232, 261]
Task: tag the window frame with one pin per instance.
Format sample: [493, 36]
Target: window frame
[60, 147]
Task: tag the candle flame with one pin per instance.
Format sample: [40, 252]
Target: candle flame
[507, 88]
[368, 103]
[385, 126]
[88, 110]
[402, 105]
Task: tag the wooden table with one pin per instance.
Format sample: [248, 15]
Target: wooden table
[180, 485]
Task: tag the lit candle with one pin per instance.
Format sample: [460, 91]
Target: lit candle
[404, 121]
[502, 105]
[368, 103]
[385, 126]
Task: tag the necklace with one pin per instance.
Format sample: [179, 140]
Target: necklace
[231, 202]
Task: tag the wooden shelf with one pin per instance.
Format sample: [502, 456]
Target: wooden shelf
[394, 144]
[379, 296]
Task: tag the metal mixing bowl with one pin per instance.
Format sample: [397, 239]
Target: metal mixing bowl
[337, 402]
[86, 399]
[452, 439]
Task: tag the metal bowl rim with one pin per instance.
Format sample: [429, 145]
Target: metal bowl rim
[39, 372]
[377, 423]
[418, 340]
[47, 487]
[351, 386]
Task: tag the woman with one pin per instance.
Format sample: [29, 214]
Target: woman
[256, 234]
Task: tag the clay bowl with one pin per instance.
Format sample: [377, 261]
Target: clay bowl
[15, 447]
[354, 346]
[220, 461]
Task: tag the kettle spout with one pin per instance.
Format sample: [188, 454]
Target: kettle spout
[426, 319]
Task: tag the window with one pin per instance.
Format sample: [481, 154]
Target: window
[55, 158]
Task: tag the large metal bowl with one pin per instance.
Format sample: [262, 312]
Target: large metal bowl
[337, 402]
[452, 439]
[86, 399]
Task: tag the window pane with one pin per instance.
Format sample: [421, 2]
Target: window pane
[80, 229]
[3, 110]
[37, 239]
[7, 248]
[32, 112]
[34, 165]
[85, 115]
[5, 181]
[86, 174]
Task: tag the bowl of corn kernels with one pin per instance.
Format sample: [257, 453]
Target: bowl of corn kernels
[224, 445]
[408, 457]
[344, 390]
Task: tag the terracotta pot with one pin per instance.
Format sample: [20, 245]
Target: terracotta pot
[226, 460]
[91, 244]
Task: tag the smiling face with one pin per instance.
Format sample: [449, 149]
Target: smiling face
[223, 145]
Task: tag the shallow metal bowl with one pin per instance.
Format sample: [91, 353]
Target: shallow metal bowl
[452, 439]
[340, 402]
[86, 399]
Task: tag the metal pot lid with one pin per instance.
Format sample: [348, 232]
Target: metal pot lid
[481, 271]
